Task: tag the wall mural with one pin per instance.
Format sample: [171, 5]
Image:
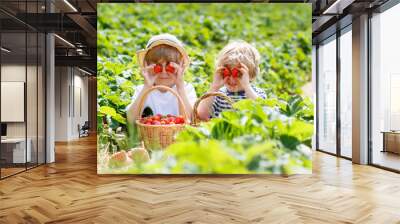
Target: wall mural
[204, 88]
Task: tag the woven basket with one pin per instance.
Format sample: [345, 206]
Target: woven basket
[195, 117]
[157, 137]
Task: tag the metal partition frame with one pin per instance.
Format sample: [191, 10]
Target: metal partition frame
[44, 75]
[341, 28]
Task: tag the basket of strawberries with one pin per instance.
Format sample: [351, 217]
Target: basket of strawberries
[158, 131]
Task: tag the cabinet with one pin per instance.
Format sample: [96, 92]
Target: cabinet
[391, 142]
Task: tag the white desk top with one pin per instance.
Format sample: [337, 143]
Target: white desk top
[13, 140]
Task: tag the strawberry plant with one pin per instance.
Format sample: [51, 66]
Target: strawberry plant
[281, 33]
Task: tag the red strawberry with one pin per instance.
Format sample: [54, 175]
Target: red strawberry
[155, 123]
[235, 72]
[179, 120]
[226, 72]
[157, 68]
[170, 68]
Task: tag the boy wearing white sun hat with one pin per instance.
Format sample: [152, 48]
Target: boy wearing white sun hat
[162, 62]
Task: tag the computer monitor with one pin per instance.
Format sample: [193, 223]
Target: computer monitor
[3, 129]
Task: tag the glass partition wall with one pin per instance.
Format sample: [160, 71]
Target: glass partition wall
[22, 77]
[327, 95]
[334, 81]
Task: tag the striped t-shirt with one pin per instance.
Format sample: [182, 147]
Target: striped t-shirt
[220, 104]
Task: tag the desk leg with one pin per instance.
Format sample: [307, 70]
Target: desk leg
[384, 142]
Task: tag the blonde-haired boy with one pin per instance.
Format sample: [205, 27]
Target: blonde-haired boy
[237, 65]
[162, 62]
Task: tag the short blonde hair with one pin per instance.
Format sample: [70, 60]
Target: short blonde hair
[242, 51]
[163, 52]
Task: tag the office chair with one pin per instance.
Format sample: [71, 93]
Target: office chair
[84, 130]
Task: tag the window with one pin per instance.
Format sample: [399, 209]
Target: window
[327, 95]
[385, 89]
[346, 92]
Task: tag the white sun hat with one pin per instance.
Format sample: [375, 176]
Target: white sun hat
[160, 39]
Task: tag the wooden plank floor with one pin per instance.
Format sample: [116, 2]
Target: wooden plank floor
[70, 191]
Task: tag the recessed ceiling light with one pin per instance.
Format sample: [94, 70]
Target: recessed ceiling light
[5, 49]
[337, 7]
[86, 72]
[70, 5]
[64, 40]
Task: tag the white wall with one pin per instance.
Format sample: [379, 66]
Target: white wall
[10, 73]
[61, 103]
[70, 83]
[33, 127]
[80, 101]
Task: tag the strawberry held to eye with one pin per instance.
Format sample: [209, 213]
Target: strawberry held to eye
[157, 68]
[170, 68]
[235, 72]
[226, 72]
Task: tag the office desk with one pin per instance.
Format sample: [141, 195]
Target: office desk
[13, 150]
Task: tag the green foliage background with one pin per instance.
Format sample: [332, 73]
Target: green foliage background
[281, 33]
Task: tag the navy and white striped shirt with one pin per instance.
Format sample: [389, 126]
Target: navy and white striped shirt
[220, 104]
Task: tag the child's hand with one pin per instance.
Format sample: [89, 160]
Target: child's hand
[244, 80]
[218, 79]
[148, 75]
[179, 70]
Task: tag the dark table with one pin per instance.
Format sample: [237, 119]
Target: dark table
[391, 141]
